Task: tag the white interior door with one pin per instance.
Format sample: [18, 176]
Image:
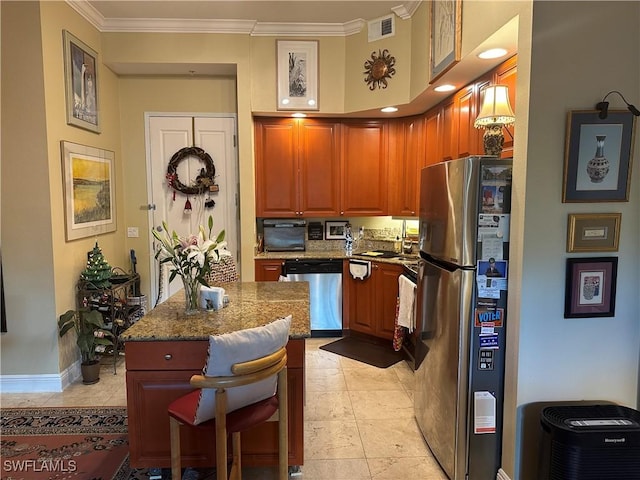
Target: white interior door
[166, 135]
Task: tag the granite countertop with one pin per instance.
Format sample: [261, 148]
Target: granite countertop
[251, 304]
[401, 259]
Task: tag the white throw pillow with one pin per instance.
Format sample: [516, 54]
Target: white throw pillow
[241, 346]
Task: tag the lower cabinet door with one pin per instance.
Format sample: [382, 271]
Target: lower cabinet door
[151, 392]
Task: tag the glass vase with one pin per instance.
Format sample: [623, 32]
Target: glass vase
[191, 294]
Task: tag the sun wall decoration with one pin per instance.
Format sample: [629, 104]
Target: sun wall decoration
[378, 69]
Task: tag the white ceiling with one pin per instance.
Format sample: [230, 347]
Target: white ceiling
[274, 18]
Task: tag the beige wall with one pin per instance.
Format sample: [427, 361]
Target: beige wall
[31, 344]
[144, 94]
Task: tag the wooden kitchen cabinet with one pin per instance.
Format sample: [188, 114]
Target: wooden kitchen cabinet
[372, 302]
[364, 168]
[506, 74]
[297, 167]
[158, 372]
[268, 270]
[431, 137]
[406, 158]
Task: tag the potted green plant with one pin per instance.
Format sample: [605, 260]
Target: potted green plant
[90, 331]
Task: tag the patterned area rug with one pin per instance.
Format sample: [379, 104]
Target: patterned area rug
[76, 443]
[64, 443]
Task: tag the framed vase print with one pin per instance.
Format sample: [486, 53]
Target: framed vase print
[81, 83]
[598, 157]
[590, 289]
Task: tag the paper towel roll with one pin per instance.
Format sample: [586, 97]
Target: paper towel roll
[211, 298]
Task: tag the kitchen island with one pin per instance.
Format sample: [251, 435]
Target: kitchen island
[166, 347]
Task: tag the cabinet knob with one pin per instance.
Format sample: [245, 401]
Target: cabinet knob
[168, 356]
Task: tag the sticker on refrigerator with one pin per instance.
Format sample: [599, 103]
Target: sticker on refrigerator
[484, 407]
[489, 341]
[489, 318]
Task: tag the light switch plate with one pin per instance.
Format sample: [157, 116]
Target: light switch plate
[132, 232]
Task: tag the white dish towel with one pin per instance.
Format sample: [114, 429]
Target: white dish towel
[407, 295]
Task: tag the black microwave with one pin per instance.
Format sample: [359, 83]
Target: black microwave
[282, 235]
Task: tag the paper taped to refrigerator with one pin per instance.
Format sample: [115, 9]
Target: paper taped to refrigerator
[484, 406]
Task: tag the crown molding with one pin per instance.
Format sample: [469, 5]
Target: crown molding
[178, 25]
[406, 10]
[247, 27]
[308, 29]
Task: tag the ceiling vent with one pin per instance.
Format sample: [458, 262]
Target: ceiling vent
[381, 28]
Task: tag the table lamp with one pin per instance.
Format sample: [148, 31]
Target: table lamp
[495, 113]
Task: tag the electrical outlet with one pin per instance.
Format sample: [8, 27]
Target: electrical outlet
[132, 232]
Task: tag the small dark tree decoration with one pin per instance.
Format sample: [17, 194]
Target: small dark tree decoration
[379, 69]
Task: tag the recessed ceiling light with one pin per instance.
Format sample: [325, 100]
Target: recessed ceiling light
[311, 102]
[299, 115]
[389, 109]
[285, 101]
[445, 88]
[493, 53]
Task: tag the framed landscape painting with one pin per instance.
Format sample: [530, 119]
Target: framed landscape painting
[89, 190]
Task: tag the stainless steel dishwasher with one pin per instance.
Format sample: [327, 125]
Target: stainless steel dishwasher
[325, 292]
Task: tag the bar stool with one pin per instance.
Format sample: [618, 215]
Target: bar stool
[253, 392]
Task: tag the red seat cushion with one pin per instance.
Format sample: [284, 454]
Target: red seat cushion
[184, 410]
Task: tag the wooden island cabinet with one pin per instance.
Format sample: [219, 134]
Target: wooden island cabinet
[165, 348]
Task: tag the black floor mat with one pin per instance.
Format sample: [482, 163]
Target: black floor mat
[381, 356]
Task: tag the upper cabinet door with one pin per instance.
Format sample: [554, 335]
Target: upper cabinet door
[431, 137]
[276, 168]
[506, 74]
[319, 166]
[364, 168]
[406, 158]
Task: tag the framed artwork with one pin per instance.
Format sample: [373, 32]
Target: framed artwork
[598, 157]
[89, 190]
[446, 36]
[297, 75]
[590, 289]
[335, 230]
[81, 83]
[593, 232]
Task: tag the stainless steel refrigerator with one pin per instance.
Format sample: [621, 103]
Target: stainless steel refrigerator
[465, 209]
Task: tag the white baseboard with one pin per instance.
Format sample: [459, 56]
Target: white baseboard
[48, 382]
[502, 475]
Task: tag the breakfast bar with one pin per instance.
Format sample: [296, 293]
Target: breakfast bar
[167, 346]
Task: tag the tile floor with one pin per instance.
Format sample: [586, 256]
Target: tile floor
[359, 422]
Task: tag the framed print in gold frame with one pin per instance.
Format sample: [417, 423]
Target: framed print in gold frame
[446, 36]
[593, 232]
[89, 190]
[81, 64]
